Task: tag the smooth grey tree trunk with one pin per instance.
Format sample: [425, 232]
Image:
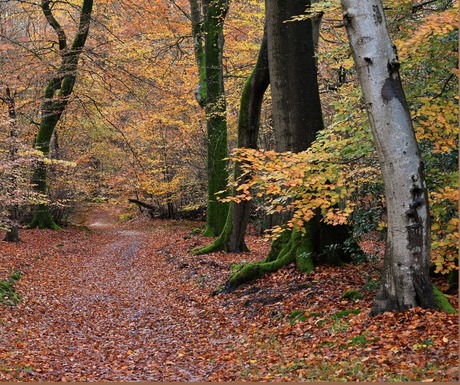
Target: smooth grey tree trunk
[405, 278]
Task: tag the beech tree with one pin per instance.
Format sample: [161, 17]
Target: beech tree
[297, 118]
[12, 233]
[207, 28]
[405, 277]
[56, 97]
[232, 236]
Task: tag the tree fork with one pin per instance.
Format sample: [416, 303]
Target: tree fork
[57, 95]
[232, 236]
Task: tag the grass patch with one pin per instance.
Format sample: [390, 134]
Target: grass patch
[297, 315]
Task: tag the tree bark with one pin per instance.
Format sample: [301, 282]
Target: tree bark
[12, 233]
[297, 118]
[405, 277]
[210, 95]
[232, 237]
[297, 114]
[57, 95]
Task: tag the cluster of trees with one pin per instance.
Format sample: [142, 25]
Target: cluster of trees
[308, 94]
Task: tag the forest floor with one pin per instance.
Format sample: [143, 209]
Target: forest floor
[114, 301]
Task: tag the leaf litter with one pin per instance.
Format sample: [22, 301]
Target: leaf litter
[130, 303]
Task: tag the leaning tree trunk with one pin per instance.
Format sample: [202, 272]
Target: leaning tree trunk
[232, 237]
[405, 279]
[57, 95]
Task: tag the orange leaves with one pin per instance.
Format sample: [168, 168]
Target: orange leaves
[132, 304]
[300, 182]
[445, 235]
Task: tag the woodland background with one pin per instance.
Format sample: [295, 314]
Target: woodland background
[133, 130]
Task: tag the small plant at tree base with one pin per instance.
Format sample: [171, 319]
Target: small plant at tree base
[371, 285]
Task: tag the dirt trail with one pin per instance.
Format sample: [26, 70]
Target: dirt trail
[110, 307]
[127, 302]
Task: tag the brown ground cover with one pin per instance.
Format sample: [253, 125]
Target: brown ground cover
[128, 302]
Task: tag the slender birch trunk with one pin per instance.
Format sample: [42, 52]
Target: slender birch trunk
[405, 278]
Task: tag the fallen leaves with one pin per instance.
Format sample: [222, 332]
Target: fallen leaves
[132, 304]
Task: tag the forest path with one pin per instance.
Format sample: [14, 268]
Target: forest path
[115, 305]
[128, 302]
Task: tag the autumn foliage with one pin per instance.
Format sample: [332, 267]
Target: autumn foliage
[129, 302]
[117, 296]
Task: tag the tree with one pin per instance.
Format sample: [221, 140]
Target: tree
[210, 94]
[297, 118]
[232, 236]
[12, 233]
[56, 98]
[405, 278]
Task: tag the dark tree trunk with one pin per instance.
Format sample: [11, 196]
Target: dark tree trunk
[297, 114]
[12, 233]
[232, 236]
[57, 95]
[297, 118]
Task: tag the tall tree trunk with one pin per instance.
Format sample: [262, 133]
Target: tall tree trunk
[57, 95]
[232, 237]
[210, 94]
[297, 115]
[297, 118]
[405, 278]
[12, 234]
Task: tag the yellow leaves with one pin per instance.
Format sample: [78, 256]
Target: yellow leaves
[435, 24]
[445, 236]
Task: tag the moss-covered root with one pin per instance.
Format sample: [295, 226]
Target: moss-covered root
[221, 242]
[256, 270]
[43, 219]
[441, 301]
[218, 245]
[296, 248]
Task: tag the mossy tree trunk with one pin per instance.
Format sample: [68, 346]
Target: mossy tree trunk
[231, 238]
[297, 118]
[57, 96]
[405, 276]
[12, 233]
[210, 95]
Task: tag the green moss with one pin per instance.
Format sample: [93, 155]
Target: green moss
[345, 313]
[8, 293]
[442, 302]
[352, 294]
